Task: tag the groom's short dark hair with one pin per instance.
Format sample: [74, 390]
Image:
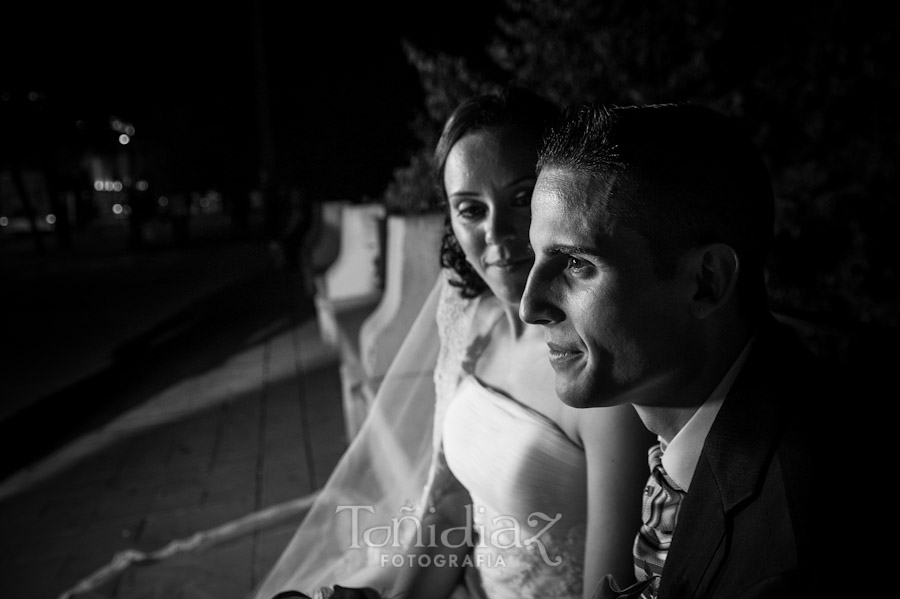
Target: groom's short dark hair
[681, 175]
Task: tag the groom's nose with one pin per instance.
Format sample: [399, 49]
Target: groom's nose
[537, 305]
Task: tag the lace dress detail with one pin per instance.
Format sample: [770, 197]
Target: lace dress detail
[551, 566]
[454, 318]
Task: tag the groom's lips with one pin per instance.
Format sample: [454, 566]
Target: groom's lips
[561, 355]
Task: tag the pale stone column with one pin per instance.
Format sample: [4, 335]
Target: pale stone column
[412, 266]
[352, 280]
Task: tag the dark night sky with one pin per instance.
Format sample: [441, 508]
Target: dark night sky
[340, 90]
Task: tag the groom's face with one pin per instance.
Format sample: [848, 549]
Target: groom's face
[616, 330]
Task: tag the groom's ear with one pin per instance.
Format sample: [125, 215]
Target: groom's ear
[715, 272]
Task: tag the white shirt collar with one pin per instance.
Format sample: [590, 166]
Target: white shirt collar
[680, 456]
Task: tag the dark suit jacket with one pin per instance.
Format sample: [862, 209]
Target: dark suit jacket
[750, 525]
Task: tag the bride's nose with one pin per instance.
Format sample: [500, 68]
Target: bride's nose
[500, 226]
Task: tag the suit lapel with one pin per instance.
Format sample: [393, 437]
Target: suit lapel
[695, 550]
[734, 456]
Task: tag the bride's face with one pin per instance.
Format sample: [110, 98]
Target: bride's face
[489, 177]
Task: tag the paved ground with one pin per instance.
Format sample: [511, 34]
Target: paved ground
[228, 405]
[72, 313]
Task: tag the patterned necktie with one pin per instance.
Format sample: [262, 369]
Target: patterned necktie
[662, 498]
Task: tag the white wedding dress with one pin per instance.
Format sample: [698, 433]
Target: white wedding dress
[528, 486]
[526, 478]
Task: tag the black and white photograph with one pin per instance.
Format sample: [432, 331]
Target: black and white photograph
[482, 299]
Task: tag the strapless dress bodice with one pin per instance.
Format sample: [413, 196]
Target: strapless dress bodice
[528, 485]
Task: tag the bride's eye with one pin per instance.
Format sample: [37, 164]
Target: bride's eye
[522, 198]
[469, 211]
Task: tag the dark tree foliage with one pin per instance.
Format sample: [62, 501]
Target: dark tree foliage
[446, 81]
[815, 83]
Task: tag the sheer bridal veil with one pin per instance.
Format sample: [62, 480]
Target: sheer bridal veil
[351, 531]
[360, 519]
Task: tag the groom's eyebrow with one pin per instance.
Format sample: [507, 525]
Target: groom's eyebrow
[557, 249]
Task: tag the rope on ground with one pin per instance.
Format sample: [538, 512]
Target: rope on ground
[229, 530]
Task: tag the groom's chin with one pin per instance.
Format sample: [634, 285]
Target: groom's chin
[581, 393]
[572, 394]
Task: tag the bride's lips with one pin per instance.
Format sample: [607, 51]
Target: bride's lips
[511, 264]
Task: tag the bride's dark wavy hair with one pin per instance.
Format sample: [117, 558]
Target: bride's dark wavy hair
[512, 106]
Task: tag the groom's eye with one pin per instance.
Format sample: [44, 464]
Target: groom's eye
[575, 265]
